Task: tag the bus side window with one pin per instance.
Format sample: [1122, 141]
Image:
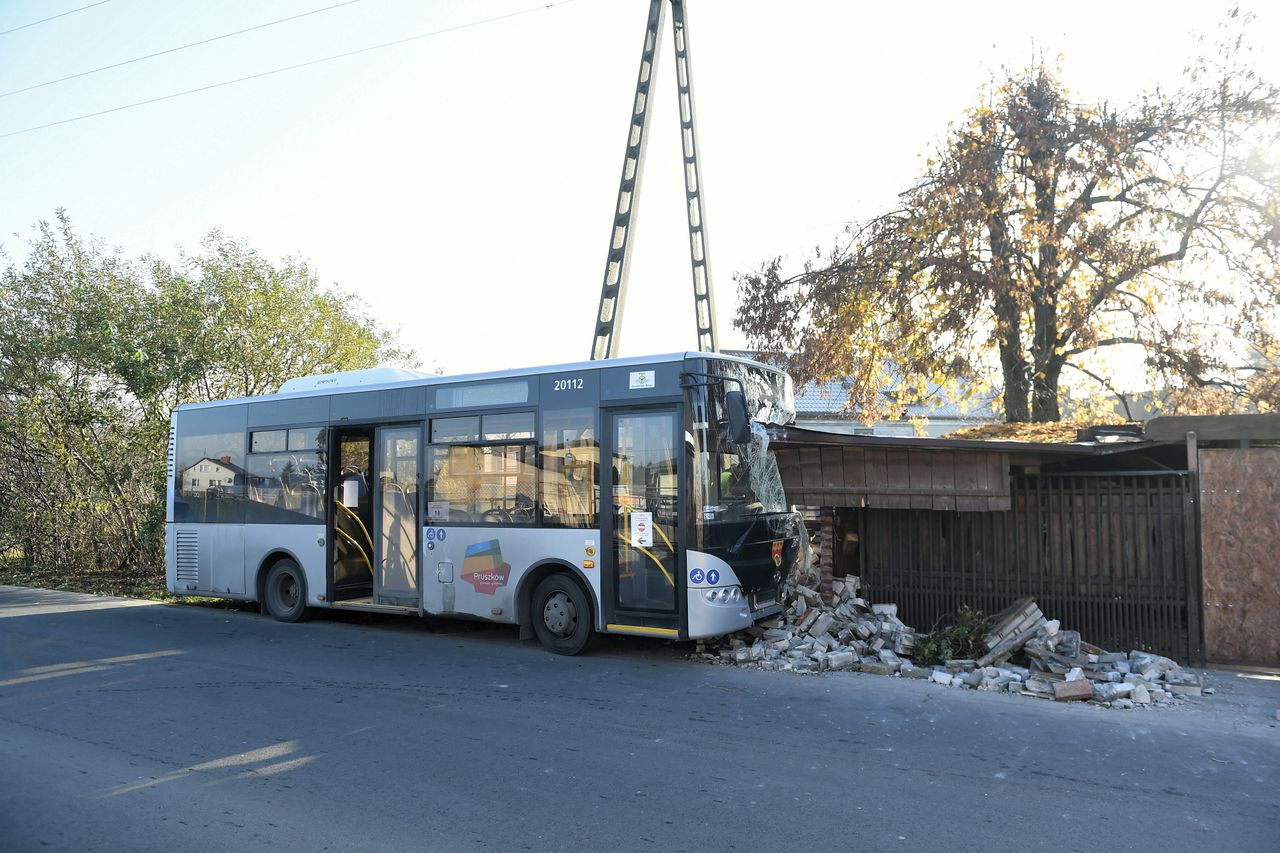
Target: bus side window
[209, 473]
[570, 458]
[489, 479]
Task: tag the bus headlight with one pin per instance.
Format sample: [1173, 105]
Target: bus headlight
[723, 595]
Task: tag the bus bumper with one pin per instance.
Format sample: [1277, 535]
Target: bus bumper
[715, 619]
[717, 603]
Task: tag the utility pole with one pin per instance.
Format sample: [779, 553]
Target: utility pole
[613, 292]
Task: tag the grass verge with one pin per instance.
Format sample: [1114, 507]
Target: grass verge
[136, 584]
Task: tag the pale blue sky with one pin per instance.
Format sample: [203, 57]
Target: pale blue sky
[463, 184]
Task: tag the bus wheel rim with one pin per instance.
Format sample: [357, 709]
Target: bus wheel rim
[287, 592]
[559, 614]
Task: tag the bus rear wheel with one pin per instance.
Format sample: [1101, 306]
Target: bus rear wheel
[285, 592]
[561, 615]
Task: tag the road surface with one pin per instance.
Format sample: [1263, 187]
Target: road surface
[136, 726]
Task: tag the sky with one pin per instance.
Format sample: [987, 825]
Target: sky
[462, 184]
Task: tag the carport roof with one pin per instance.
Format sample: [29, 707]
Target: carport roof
[802, 435]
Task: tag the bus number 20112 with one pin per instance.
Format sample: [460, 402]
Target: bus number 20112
[568, 385]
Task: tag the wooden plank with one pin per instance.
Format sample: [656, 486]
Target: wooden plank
[982, 478]
[966, 480]
[789, 469]
[855, 470]
[832, 467]
[1214, 427]
[877, 474]
[810, 468]
[998, 482]
[944, 481]
[897, 475]
[920, 473]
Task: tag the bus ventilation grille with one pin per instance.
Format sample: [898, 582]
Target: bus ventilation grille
[173, 439]
[187, 558]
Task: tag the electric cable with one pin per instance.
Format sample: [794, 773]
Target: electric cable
[53, 17]
[293, 67]
[176, 49]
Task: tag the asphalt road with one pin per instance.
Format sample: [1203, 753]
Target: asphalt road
[127, 726]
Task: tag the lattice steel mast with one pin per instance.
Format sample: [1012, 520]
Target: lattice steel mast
[613, 292]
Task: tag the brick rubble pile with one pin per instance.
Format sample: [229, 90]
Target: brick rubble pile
[1028, 654]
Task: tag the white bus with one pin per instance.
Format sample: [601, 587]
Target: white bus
[634, 496]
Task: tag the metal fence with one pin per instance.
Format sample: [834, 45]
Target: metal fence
[1113, 556]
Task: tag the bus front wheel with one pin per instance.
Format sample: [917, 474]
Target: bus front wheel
[285, 593]
[561, 615]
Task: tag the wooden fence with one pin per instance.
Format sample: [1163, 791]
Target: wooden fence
[1113, 556]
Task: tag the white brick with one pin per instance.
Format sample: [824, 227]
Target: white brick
[821, 625]
[840, 660]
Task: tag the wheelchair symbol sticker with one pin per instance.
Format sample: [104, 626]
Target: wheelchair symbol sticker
[713, 577]
[431, 534]
[696, 575]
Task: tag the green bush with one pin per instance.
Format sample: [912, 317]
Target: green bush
[962, 636]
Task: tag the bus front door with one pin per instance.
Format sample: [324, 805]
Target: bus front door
[399, 474]
[643, 574]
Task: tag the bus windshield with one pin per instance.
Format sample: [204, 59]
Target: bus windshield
[734, 481]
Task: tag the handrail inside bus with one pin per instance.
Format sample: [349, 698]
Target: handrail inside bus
[349, 511]
[626, 510]
[643, 550]
[359, 548]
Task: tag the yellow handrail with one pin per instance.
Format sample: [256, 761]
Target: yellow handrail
[626, 510]
[643, 550]
[359, 549]
[349, 511]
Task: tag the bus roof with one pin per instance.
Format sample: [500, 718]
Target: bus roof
[381, 378]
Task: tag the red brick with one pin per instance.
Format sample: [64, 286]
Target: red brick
[1070, 691]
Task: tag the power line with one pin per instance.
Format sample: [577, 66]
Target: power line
[52, 17]
[176, 49]
[307, 64]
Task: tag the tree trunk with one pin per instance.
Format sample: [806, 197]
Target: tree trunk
[1008, 328]
[1044, 400]
[1046, 369]
[1012, 365]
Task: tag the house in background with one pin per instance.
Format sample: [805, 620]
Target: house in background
[219, 474]
[821, 406]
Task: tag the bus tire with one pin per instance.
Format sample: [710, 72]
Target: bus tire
[284, 595]
[560, 611]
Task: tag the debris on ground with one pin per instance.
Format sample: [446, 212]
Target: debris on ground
[1026, 653]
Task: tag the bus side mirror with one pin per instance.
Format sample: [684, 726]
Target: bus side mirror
[735, 403]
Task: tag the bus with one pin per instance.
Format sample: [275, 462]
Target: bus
[629, 495]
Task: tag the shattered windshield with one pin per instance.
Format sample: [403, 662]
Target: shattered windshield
[737, 480]
[771, 396]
